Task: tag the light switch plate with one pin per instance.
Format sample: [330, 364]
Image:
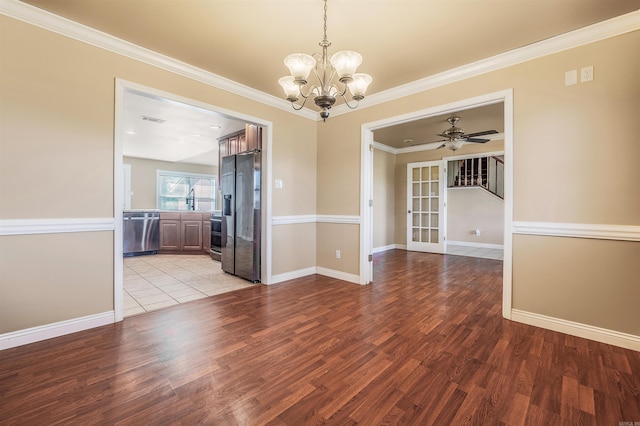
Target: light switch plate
[278, 183]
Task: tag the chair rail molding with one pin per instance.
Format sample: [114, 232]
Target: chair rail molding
[578, 230]
[55, 226]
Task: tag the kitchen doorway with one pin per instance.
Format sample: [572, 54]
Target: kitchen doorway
[367, 201]
[176, 277]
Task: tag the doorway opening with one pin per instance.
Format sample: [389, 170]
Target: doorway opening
[505, 98]
[180, 135]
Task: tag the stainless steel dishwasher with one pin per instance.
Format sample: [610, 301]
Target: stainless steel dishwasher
[140, 232]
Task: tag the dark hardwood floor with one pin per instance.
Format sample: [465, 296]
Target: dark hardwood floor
[424, 344]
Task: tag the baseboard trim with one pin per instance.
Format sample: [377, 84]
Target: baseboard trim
[384, 248]
[292, 275]
[590, 332]
[56, 329]
[344, 276]
[475, 245]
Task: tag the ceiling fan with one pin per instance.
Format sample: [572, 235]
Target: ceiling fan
[455, 136]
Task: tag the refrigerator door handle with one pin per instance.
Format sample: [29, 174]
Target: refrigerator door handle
[226, 208]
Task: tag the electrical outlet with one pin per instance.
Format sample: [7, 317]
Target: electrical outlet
[586, 74]
[279, 183]
[337, 254]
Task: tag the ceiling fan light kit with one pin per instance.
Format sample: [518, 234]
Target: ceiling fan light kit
[342, 64]
[455, 137]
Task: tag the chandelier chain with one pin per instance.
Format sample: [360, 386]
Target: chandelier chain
[325, 20]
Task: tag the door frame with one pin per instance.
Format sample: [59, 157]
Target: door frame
[122, 86]
[366, 178]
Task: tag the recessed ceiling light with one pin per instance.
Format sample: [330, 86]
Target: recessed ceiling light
[130, 132]
[215, 126]
[408, 141]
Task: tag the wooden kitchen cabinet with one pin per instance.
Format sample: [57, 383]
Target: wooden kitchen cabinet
[249, 139]
[191, 233]
[185, 232]
[169, 232]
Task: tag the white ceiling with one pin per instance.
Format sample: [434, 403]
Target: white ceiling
[186, 134]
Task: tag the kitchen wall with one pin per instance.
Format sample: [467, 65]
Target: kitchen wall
[570, 167]
[144, 178]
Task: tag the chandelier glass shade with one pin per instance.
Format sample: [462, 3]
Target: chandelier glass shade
[341, 65]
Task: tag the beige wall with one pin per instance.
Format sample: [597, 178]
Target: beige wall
[469, 209]
[588, 281]
[383, 198]
[57, 161]
[294, 241]
[144, 178]
[54, 277]
[570, 166]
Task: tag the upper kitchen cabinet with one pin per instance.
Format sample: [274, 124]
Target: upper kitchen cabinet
[241, 141]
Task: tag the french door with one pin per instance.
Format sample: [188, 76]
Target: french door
[425, 206]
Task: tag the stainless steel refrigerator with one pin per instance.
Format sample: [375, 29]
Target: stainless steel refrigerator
[241, 219]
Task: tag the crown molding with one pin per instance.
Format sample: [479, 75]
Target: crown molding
[602, 30]
[57, 24]
[68, 28]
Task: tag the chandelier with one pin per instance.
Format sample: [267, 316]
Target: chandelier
[342, 64]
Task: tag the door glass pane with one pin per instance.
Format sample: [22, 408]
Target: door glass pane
[416, 219]
[435, 204]
[434, 236]
[415, 237]
[434, 188]
[425, 173]
[416, 205]
[425, 204]
[434, 220]
[435, 171]
[424, 220]
[416, 189]
[425, 189]
[416, 174]
[424, 236]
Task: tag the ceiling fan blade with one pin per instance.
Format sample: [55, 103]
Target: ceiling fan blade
[442, 146]
[486, 132]
[442, 135]
[476, 140]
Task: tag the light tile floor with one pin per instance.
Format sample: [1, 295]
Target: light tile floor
[156, 281]
[497, 254]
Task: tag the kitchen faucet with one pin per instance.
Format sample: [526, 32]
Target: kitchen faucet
[191, 200]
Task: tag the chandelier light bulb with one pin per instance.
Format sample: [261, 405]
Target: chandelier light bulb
[291, 89]
[345, 63]
[359, 84]
[300, 65]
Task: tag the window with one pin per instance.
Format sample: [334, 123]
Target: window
[185, 191]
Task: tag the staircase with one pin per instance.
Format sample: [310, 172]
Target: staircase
[482, 172]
